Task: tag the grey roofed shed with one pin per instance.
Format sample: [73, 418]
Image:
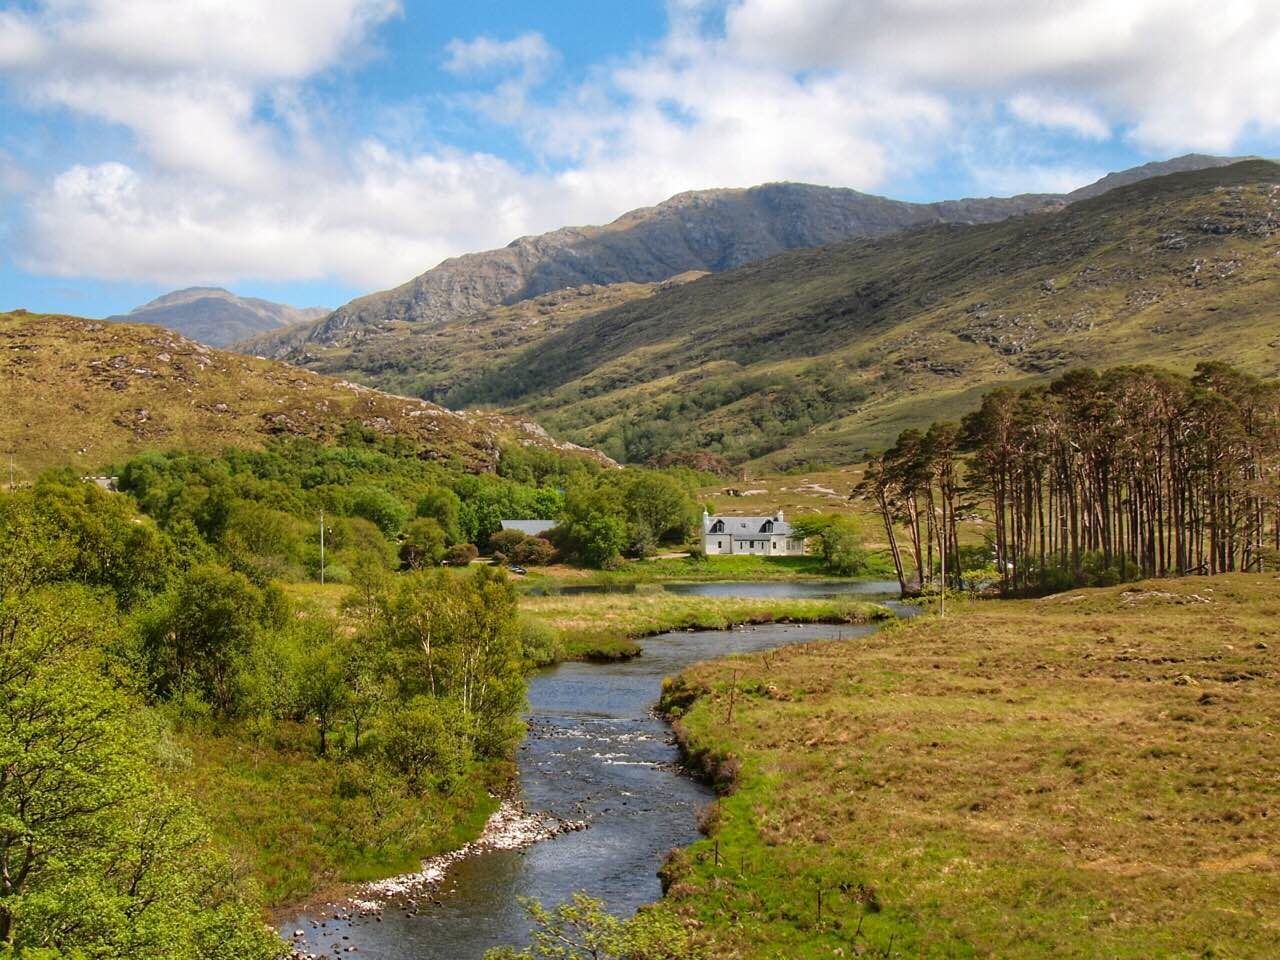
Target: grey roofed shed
[530, 528]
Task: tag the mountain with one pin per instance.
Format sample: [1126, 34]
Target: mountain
[815, 355]
[707, 231]
[89, 393]
[217, 317]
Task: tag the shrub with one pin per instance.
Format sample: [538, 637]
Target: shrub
[507, 542]
[534, 551]
[461, 554]
[425, 741]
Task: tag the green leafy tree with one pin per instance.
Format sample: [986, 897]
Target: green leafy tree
[444, 507]
[423, 545]
[323, 678]
[839, 542]
[199, 635]
[97, 859]
[426, 741]
[380, 507]
[593, 527]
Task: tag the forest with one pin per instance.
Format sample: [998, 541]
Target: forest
[1090, 480]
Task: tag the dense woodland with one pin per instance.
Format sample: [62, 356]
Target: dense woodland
[1092, 479]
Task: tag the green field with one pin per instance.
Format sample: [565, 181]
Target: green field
[1092, 774]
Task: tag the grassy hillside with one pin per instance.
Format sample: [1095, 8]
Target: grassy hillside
[90, 393]
[816, 355]
[1091, 774]
[431, 360]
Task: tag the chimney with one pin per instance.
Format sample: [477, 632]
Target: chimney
[778, 516]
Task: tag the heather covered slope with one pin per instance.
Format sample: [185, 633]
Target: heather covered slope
[819, 354]
[89, 393]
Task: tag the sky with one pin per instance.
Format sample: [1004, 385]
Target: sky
[310, 151]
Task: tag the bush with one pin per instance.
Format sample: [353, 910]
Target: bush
[461, 554]
[507, 542]
[425, 742]
[535, 551]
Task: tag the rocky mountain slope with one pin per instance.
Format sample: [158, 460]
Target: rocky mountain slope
[218, 317]
[706, 231]
[815, 355]
[89, 393]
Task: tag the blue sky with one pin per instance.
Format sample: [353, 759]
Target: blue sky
[313, 150]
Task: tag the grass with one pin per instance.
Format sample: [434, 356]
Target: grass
[301, 824]
[607, 626]
[1093, 774]
[678, 569]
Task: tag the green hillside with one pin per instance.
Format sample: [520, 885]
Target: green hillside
[815, 356]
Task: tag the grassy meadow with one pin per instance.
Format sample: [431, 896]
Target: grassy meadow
[606, 626]
[1090, 774]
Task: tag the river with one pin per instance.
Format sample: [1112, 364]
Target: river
[595, 751]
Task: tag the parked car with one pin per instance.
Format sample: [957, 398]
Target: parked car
[517, 569]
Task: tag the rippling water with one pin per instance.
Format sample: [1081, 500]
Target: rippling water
[594, 751]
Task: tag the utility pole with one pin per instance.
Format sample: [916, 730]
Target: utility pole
[322, 547]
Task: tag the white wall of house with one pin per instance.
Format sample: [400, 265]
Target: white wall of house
[756, 536]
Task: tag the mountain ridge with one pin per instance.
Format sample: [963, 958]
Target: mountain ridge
[216, 316]
[817, 355]
[701, 230]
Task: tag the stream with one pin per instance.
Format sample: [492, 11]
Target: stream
[594, 751]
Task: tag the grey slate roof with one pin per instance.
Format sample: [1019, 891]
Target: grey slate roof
[530, 528]
[748, 528]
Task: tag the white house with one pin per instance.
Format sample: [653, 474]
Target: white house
[763, 536]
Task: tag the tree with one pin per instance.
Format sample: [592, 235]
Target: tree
[839, 542]
[660, 504]
[423, 545]
[455, 636]
[445, 507]
[593, 527]
[426, 741]
[199, 635]
[323, 678]
[97, 859]
[380, 507]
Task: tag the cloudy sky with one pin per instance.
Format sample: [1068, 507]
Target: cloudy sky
[313, 150]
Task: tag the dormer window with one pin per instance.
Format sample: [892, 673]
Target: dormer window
[718, 527]
[768, 527]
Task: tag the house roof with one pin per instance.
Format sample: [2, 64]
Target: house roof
[747, 528]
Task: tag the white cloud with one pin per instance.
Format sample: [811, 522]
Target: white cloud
[529, 51]
[1073, 117]
[236, 173]
[1180, 73]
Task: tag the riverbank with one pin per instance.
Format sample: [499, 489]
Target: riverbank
[1089, 774]
[608, 626]
[689, 570]
[301, 824]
